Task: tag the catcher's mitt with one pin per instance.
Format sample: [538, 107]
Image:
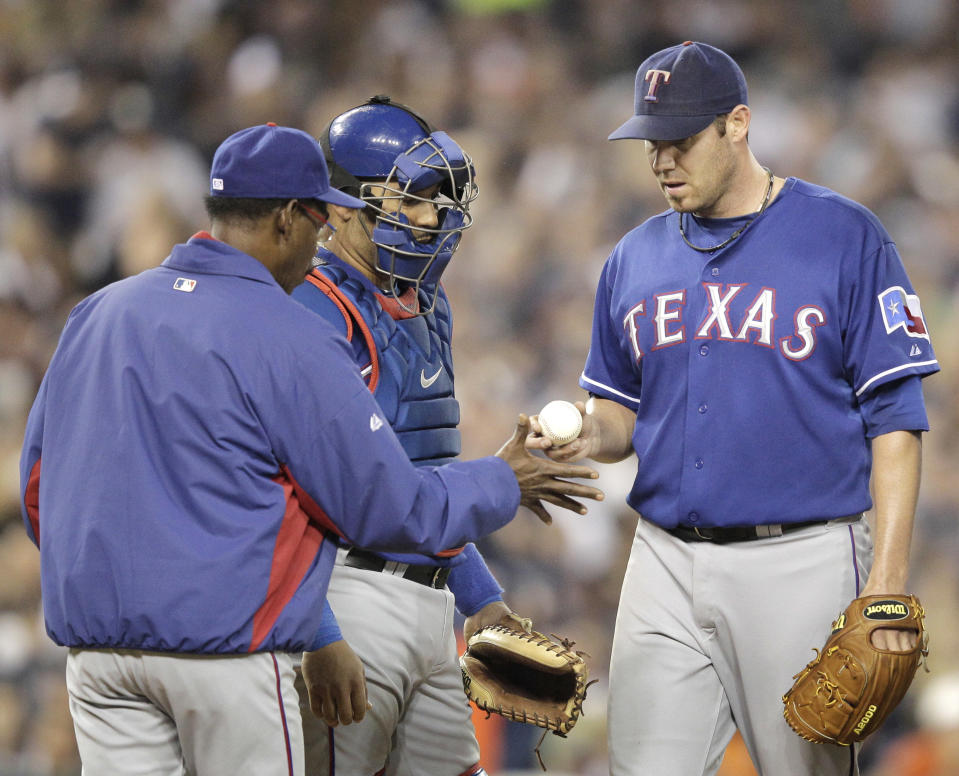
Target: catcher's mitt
[850, 687]
[525, 676]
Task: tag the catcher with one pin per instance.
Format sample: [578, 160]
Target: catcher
[377, 279]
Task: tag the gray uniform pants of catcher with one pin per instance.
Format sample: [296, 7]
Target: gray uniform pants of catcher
[708, 638]
[420, 723]
[162, 714]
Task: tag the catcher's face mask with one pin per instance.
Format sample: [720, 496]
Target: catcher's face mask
[417, 184]
[422, 209]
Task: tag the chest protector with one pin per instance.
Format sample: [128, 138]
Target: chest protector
[411, 363]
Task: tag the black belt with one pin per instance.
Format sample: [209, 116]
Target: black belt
[737, 533]
[431, 576]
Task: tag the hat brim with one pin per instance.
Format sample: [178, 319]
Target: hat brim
[662, 127]
[337, 197]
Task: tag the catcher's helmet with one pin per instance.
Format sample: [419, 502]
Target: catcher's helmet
[383, 152]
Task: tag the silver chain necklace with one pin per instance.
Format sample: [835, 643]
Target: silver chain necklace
[734, 235]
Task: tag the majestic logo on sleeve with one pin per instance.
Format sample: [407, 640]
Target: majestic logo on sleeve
[902, 310]
[655, 78]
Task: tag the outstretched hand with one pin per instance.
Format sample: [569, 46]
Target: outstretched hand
[539, 478]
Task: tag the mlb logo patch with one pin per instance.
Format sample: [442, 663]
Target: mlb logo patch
[217, 184]
[184, 284]
[902, 310]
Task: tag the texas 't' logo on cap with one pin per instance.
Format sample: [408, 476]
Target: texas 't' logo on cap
[655, 77]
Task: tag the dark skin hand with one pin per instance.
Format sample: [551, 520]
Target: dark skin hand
[539, 478]
[336, 683]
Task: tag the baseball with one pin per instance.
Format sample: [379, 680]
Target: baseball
[561, 422]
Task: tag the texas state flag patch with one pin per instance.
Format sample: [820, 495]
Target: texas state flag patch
[902, 310]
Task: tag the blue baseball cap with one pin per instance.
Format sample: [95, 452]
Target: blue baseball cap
[271, 162]
[680, 90]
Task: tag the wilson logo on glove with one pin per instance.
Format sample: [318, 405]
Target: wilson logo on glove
[886, 610]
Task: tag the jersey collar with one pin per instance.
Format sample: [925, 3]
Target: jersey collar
[204, 254]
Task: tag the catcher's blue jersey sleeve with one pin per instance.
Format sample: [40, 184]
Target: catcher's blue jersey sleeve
[472, 583]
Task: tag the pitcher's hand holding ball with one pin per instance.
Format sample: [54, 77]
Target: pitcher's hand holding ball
[562, 430]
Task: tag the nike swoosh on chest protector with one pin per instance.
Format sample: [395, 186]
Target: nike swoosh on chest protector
[425, 381]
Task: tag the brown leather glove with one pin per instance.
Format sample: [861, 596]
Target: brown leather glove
[525, 676]
[847, 691]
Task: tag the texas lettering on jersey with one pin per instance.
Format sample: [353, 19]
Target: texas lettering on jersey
[755, 326]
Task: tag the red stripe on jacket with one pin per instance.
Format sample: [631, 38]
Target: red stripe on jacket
[31, 499]
[298, 541]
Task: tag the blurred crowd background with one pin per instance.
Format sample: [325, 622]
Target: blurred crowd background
[109, 114]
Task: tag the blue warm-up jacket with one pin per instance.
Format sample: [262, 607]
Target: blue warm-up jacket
[196, 441]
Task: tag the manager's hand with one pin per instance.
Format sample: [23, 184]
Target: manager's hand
[336, 683]
[539, 478]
